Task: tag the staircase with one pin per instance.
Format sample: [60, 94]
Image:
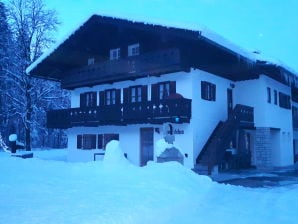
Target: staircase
[214, 150]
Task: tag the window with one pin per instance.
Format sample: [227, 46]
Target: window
[135, 94]
[163, 90]
[284, 100]
[134, 49]
[110, 97]
[268, 95]
[115, 54]
[275, 97]
[104, 139]
[88, 99]
[91, 61]
[208, 91]
[86, 141]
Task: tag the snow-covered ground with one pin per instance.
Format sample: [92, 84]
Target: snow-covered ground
[46, 189]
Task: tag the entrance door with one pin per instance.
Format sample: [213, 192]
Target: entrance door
[146, 145]
[230, 101]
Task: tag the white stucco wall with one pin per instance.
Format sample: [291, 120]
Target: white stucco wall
[207, 114]
[254, 93]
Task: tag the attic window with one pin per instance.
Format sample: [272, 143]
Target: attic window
[115, 54]
[133, 49]
[91, 61]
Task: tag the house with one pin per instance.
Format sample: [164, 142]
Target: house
[129, 80]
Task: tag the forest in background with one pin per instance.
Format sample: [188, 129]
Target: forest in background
[27, 29]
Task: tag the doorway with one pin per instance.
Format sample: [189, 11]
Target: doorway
[146, 145]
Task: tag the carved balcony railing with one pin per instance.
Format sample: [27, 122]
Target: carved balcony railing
[171, 110]
[151, 63]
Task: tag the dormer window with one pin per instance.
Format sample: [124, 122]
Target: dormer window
[91, 61]
[133, 49]
[115, 54]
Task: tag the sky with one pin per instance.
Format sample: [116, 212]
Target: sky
[267, 26]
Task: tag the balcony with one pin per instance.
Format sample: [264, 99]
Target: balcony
[152, 63]
[170, 110]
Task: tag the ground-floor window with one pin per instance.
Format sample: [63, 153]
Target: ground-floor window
[104, 139]
[92, 141]
[87, 141]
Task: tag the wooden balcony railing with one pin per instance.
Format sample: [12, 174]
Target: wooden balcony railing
[152, 63]
[171, 110]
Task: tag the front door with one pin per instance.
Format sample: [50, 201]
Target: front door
[230, 101]
[146, 145]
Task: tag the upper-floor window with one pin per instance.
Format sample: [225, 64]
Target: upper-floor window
[284, 100]
[133, 49]
[91, 61]
[163, 90]
[115, 54]
[88, 99]
[275, 97]
[268, 95]
[136, 94]
[109, 97]
[208, 91]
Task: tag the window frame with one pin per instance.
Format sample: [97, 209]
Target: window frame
[133, 50]
[115, 53]
[208, 91]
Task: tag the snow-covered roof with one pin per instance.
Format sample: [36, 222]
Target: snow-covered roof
[202, 32]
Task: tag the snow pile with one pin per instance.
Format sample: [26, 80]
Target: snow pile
[161, 145]
[114, 155]
[46, 191]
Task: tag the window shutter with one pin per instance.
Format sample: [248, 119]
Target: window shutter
[126, 95]
[144, 93]
[82, 100]
[93, 141]
[101, 98]
[172, 87]
[213, 91]
[94, 99]
[154, 92]
[203, 90]
[79, 141]
[118, 96]
[100, 141]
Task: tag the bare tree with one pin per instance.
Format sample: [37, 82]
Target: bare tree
[33, 26]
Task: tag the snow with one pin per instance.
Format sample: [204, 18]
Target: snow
[46, 189]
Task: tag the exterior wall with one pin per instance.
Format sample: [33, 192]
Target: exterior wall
[268, 115]
[129, 136]
[206, 114]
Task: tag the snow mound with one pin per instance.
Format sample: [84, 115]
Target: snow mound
[114, 154]
[12, 137]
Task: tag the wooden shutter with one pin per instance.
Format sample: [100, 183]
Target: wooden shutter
[203, 90]
[213, 92]
[118, 96]
[94, 99]
[82, 100]
[172, 87]
[154, 92]
[79, 141]
[101, 98]
[126, 95]
[144, 93]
